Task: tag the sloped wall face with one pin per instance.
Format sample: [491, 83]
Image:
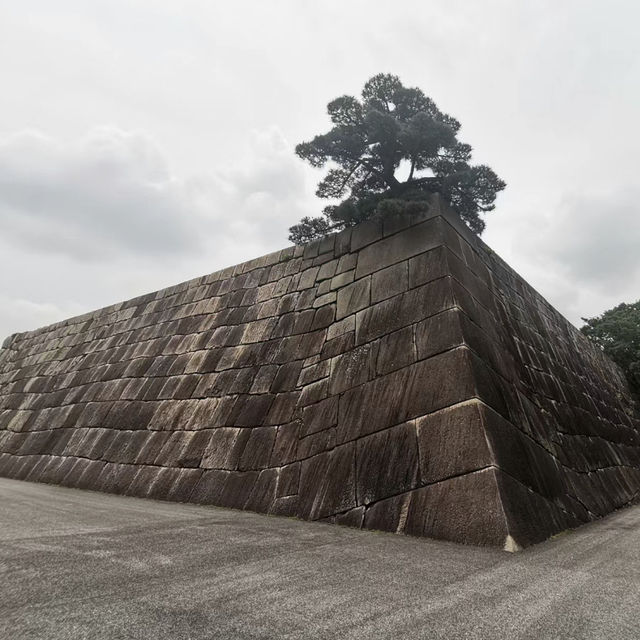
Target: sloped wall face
[395, 376]
[558, 416]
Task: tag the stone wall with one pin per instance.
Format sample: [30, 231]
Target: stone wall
[396, 376]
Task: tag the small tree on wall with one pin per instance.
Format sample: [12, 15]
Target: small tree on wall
[392, 129]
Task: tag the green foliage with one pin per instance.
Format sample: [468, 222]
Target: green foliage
[309, 229]
[617, 333]
[371, 138]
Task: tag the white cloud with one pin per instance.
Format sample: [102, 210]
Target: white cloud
[595, 239]
[260, 198]
[97, 220]
[108, 193]
[112, 192]
[17, 312]
[580, 252]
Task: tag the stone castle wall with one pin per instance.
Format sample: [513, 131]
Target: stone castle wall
[394, 376]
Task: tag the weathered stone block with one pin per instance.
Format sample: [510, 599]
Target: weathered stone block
[209, 487]
[324, 317]
[402, 310]
[395, 351]
[390, 282]
[263, 492]
[314, 392]
[323, 288]
[320, 416]
[327, 483]
[472, 506]
[453, 442]
[238, 488]
[402, 246]
[327, 270]
[428, 266]
[257, 450]
[353, 297]
[183, 485]
[288, 480]
[225, 448]
[327, 298]
[341, 327]
[365, 234]
[342, 279]
[251, 411]
[287, 377]
[285, 448]
[264, 378]
[283, 408]
[314, 372]
[438, 333]
[386, 463]
[422, 388]
[352, 369]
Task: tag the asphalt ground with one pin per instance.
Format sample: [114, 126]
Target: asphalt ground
[80, 564]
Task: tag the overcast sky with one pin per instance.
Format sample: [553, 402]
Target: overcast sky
[145, 142]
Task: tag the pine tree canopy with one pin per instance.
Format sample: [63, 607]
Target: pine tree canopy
[393, 144]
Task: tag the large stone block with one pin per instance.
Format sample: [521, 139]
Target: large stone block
[414, 391]
[353, 297]
[403, 310]
[327, 483]
[401, 246]
[452, 442]
[387, 463]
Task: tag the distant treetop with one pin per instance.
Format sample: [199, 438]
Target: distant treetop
[617, 333]
[392, 129]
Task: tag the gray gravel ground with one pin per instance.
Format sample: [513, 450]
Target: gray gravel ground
[78, 564]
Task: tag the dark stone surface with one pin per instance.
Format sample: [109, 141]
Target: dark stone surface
[472, 504]
[396, 376]
[387, 463]
[452, 442]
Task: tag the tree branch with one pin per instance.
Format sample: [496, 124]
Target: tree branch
[413, 166]
[366, 165]
[344, 182]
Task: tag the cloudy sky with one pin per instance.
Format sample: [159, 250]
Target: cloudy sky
[145, 142]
